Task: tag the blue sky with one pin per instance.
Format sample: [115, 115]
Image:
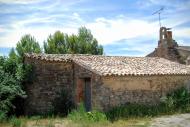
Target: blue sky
[123, 27]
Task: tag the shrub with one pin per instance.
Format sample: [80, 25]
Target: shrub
[177, 100]
[3, 116]
[80, 115]
[9, 90]
[50, 123]
[63, 103]
[12, 76]
[15, 122]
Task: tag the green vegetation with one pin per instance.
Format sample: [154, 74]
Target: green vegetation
[2, 116]
[65, 122]
[14, 74]
[62, 103]
[10, 85]
[15, 122]
[128, 115]
[27, 44]
[83, 43]
[76, 118]
[80, 115]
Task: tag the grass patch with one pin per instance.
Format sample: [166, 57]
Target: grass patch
[126, 115]
[65, 122]
[16, 122]
[80, 115]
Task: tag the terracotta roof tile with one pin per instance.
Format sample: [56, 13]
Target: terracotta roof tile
[187, 48]
[119, 65]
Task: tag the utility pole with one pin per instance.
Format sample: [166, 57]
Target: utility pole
[159, 12]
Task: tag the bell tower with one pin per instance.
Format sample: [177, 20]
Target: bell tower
[166, 46]
[166, 40]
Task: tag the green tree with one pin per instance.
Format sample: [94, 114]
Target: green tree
[12, 54]
[56, 43]
[95, 48]
[14, 73]
[10, 85]
[87, 43]
[85, 39]
[83, 43]
[27, 44]
[72, 44]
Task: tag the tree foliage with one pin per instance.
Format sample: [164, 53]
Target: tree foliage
[83, 43]
[27, 44]
[10, 85]
[56, 43]
[14, 73]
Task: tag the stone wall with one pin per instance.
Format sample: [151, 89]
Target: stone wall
[106, 92]
[136, 89]
[50, 78]
[111, 91]
[167, 53]
[96, 83]
[185, 55]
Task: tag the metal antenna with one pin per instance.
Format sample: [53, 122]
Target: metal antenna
[159, 12]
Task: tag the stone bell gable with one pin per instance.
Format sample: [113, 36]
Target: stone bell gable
[169, 49]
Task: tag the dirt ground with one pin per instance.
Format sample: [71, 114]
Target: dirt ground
[179, 120]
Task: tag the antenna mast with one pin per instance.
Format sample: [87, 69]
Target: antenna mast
[159, 12]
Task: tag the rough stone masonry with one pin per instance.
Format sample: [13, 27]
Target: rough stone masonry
[101, 82]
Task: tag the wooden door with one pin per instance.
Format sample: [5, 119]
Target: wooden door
[87, 94]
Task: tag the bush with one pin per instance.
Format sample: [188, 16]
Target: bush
[9, 90]
[63, 103]
[3, 116]
[131, 110]
[177, 100]
[80, 115]
[12, 76]
[15, 122]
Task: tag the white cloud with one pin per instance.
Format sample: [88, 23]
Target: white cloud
[40, 34]
[182, 32]
[106, 31]
[110, 30]
[20, 1]
[22, 27]
[141, 48]
[1, 29]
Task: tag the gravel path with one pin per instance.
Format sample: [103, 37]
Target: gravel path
[180, 120]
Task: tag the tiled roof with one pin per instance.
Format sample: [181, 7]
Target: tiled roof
[120, 65]
[50, 57]
[187, 48]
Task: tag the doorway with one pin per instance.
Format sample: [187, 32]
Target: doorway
[87, 94]
[84, 92]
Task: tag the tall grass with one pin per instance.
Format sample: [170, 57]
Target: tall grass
[15, 122]
[80, 115]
